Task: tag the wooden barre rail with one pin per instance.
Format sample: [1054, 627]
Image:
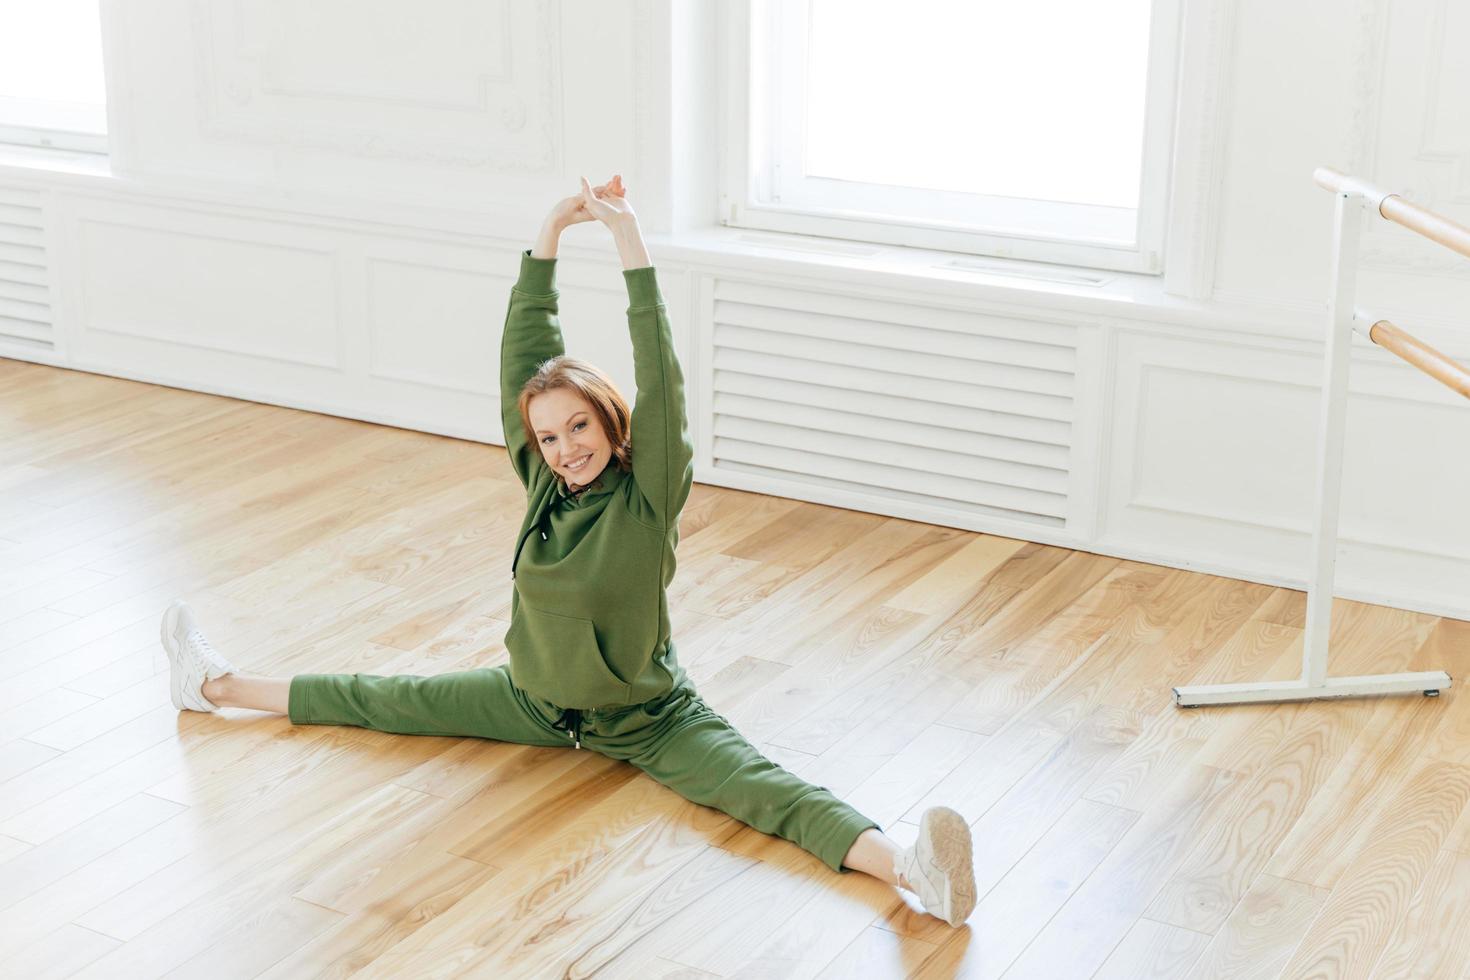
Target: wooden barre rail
[1435, 227]
[1433, 363]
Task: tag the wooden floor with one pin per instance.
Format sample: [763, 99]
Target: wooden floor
[899, 664]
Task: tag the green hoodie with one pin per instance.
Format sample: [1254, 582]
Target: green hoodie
[589, 611]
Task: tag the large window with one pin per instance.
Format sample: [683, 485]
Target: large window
[1038, 130]
[51, 85]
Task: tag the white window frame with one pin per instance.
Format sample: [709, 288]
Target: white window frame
[74, 126]
[56, 127]
[753, 180]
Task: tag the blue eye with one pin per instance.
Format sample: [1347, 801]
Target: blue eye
[574, 428]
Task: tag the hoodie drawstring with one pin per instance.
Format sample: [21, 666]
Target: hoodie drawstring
[572, 718]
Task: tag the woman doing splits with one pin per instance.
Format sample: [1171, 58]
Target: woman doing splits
[592, 663]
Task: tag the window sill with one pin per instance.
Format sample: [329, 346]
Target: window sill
[17, 160]
[862, 267]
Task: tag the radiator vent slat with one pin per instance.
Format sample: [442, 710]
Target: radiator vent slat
[871, 478]
[915, 362]
[23, 309]
[895, 313]
[24, 329]
[962, 459]
[935, 504]
[1046, 433]
[940, 391]
[900, 337]
[944, 434]
[19, 274]
[23, 197]
[22, 235]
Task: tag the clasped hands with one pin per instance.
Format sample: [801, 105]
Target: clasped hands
[606, 203]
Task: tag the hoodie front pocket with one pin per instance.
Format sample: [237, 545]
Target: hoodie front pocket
[558, 658]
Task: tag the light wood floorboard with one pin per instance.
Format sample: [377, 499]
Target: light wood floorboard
[900, 664]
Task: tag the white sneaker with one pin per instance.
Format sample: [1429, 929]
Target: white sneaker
[939, 867]
[191, 660]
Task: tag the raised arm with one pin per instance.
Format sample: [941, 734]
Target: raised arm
[532, 331]
[663, 455]
[532, 334]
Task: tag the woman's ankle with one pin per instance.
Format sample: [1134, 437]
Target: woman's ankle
[217, 690]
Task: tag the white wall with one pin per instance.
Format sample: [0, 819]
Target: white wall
[321, 206]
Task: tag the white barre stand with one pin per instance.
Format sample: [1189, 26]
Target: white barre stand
[1352, 196]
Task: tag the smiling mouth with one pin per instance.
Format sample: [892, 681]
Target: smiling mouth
[574, 467]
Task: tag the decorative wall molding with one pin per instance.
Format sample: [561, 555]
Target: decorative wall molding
[1201, 136]
[128, 302]
[1445, 145]
[432, 354]
[1258, 518]
[502, 116]
[1423, 162]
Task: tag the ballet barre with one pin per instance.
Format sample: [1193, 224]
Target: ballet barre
[1353, 196]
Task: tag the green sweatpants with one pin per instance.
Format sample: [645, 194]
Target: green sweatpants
[677, 739]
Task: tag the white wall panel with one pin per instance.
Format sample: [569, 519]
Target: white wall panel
[1214, 460]
[217, 284]
[432, 325]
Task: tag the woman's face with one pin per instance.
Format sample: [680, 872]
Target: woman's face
[571, 439]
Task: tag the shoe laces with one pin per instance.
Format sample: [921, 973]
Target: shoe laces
[202, 649]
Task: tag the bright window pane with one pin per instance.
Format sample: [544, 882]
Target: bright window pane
[51, 54]
[1041, 100]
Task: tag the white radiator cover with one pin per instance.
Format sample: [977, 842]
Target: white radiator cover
[968, 412]
[25, 294]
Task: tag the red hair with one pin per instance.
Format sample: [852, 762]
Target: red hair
[589, 381]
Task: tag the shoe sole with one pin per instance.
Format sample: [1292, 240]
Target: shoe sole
[950, 843]
[165, 636]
